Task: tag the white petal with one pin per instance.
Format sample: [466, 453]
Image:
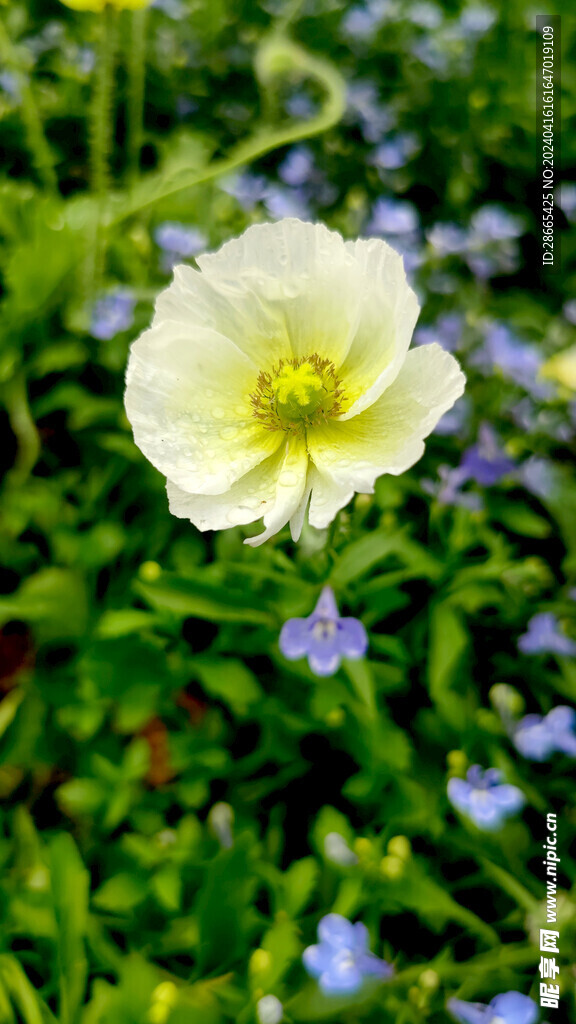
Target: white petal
[228, 306]
[188, 400]
[328, 497]
[272, 490]
[303, 275]
[388, 436]
[389, 313]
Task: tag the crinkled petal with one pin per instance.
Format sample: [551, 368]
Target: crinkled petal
[225, 304]
[351, 638]
[389, 313]
[305, 277]
[187, 398]
[290, 488]
[515, 1008]
[294, 638]
[260, 493]
[328, 497]
[388, 436]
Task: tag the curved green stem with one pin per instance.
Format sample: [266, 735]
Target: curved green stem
[101, 139]
[136, 80]
[35, 138]
[276, 57]
[25, 431]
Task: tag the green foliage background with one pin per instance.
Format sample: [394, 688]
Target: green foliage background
[141, 673]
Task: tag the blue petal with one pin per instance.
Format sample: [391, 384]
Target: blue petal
[317, 959]
[508, 798]
[294, 638]
[469, 1013]
[369, 964]
[324, 663]
[351, 638]
[514, 1008]
[459, 794]
[337, 932]
[533, 739]
[562, 719]
[342, 975]
[483, 811]
[326, 607]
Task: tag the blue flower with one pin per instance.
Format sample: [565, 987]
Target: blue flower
[493, 223]
[517, 360]
[342, 960]
[112, 314]
[323, 637]
[537, 737]
[447, 331]
[448, 489]
[484, 798]
[179, 240]
[393, 217]
[485, 461]
[447, 239]
[508, 1008]
[395, 152]
[543, 636]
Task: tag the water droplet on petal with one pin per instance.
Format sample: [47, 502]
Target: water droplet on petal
[287, 478]
[228, 433]
[218, 413]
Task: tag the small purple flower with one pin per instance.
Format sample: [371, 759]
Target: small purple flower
[493, 223]
[112, 314]
[297, 168]
[342, 960]
[395, 152]
[447, 239]
[543, 636]
[477, 20]
[539, 476]
[485, 461]
[323, 637]
[363, 105]
[537, 737]
[247, 188]
[425, 15]
[393, 217]
[518, 361]
[448, 489]
[484, 798]
[508, 1008]
[178, 240]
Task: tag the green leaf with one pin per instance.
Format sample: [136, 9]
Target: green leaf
[70, 884]
[228, 680]
[121, 893]
[203, 600]
[298, 885]
[448, 644]
[225, 916]
[53, 600]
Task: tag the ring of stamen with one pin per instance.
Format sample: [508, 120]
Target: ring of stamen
[296, 394]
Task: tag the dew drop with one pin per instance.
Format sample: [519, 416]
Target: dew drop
[287, 478]
[218, 412]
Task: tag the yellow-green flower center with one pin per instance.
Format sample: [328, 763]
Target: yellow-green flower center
[297, 394]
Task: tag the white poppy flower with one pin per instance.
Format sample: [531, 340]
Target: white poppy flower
[278, 377]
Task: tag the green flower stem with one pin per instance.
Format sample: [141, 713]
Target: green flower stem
[136, 80]
[510, 885]
[15, 396]
[103, 102]
[37, 143]
[101, 142]
[276, 57]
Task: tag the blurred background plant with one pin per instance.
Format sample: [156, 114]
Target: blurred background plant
[183, 805]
